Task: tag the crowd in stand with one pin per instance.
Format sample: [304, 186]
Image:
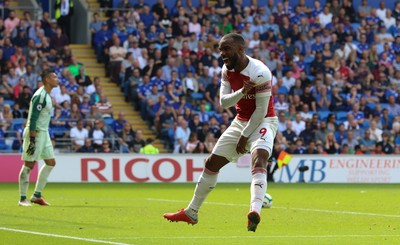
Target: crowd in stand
[336, 73]
[29, 46]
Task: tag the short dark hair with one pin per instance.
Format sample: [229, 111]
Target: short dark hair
[237, 38]
[46, 72]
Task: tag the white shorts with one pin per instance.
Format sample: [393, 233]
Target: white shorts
[262, 138]
[43, 146]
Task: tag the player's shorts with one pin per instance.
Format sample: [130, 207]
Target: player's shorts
[44, 148]
[262, 138]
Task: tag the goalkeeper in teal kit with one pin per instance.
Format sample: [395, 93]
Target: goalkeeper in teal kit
[37, 143]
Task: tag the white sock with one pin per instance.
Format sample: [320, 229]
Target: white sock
[258, 188]
[206, 183]
[24, 180]
[42, 179]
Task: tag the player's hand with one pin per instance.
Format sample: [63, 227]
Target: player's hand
[247, 86]
[241, 145]
[31, 148]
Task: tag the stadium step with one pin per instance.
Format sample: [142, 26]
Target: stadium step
[84, 54]
[87, 55]
[93, 4]
[80, 46]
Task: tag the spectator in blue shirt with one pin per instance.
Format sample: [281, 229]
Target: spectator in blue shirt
[363, 45]
[8, 49]
[318, 45]
[3, 145]
[373, 18]
[316, 10]
[367, 143]
[121, 30]
[118, 124]
[143, 90]
[185, 67]
[100, 39]
[158, 81]
[358, 115]
[168, 68]
[146, 16]
[396, 45]
[352, 97]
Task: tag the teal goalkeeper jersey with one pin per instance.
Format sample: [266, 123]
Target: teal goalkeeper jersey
[40, 111]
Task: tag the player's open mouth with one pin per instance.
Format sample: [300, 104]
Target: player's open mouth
[225, 60]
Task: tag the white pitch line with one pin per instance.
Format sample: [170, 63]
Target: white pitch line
[255, 237]
[62, 236]
[298, 209]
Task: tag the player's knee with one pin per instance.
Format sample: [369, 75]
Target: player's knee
[29, 164]
[260, 158]
[215, 163]
[208, 165]
[50, 162]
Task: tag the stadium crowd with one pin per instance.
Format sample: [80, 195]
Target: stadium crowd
[336, 74]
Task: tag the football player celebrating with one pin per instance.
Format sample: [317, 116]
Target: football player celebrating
[246, 83]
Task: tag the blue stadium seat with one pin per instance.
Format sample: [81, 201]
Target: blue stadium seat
[310, 77]
[355, 26]
[17, 123]
[211, 113]
[9, 102]
[397, 141]
[339, 121]
[371, 106]
[366, 124]
[307, 68]
[108, 120]
[323, 115]
[308, 59]
[197, 96]
[384, 106]
[341, 115]
[59, 131]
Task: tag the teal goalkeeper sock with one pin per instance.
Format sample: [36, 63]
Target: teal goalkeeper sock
[37, 194]
[23, 197]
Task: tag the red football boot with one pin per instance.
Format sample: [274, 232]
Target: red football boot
[39, 200]
[253, 219]
[180, 216]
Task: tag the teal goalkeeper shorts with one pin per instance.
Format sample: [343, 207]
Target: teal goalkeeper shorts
[44, 148]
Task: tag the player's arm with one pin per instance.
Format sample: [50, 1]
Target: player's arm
[263, 94]
[227, 98]
[37, 103]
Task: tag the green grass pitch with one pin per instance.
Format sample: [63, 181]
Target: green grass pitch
[132, 214]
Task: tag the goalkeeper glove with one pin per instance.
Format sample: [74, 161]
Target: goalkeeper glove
[31, 147]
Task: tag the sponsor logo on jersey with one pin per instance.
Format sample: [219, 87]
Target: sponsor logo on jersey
[249, 97]
[39, 107]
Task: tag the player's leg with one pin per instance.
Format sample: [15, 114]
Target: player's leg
[42, 181]
[29, 163]
[261, 148]
[48, 155]
[223, 152]
[24, 182]
[258, 187]
[206, 183]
